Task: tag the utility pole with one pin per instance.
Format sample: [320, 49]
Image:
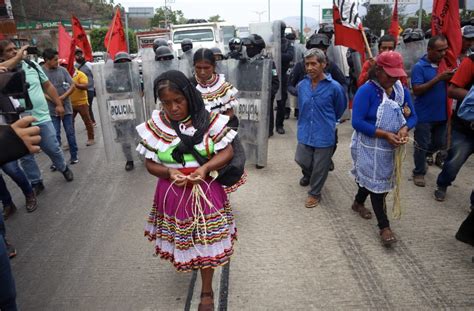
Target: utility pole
[259, 13]
[269, 10]
[126, 31]
[301, 23]
[420, 15]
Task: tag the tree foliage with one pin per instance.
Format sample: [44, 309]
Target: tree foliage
[98, 35]
[215, 18]
[412, 21]
[165, 16]
[378, 17]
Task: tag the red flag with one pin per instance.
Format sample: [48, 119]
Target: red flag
[64, 43]
[71, 57]
[394, 29]
[347, 36]
[115, 38]
[81, 38]
[445, 20]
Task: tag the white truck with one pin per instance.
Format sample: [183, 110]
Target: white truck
[203, 35]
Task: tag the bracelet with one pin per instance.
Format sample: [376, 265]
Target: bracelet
[168, 171]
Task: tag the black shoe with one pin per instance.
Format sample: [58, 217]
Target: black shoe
[270, 134]
[304, 181]
[129, 166]
[8, 210]
[287, 115]
[280, 130]
[11, 251]
[259, 167]
[38, 188]
[466, 230]
[68, 175]
[331, 166]
[53, 168]
[439, 159]
[440, 194]
[297, 112]
[31, 202]
[74, 161]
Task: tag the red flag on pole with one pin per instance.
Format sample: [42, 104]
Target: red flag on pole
[64, 43]
[347, 36]
[81, 38]
[115, 40]
[70, 59]
[394, 29]
[446, 21]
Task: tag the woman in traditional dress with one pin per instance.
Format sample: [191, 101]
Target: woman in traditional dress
[191, 222]
[382, 115]
[218, 94]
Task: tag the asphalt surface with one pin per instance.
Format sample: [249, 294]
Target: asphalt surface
[83, 249]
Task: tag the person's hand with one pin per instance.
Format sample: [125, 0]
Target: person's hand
[30, 135]
[371, 61]
[198, 175]
[21, 52]
[177, 177]
[60, 110]
[446, 75]
[393, 139]
[403, 134]
[3, 69]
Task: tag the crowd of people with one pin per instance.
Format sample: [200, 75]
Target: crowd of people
[193, 135]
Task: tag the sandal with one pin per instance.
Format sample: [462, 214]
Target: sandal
[362, 210]
[387, 236]
[207, 306]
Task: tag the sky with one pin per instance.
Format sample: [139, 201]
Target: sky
[243, 12]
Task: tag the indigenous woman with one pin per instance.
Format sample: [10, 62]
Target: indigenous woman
[191, 222]
[382, 116]
[218, 94]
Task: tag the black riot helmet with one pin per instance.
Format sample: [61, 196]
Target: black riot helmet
[159, 42]
[186, 45]
[235, 44]
[217, 53]
[122, 57]
[428, 34]
[327, 29]
[254, 44]
[318, 40]
[163, 53]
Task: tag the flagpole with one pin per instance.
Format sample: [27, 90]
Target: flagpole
[110, 36]
[367, 46]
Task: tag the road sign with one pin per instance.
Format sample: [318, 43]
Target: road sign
[327, 15]
[393, 1]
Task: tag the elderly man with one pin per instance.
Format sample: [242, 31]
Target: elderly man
[321, 102]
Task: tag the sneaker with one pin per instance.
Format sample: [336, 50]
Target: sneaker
[8, 210]
[429, 160]
[440, 194]
[11, 251]
[74, 161]
[53, 168]
[38, 188]
[31, 202]
[304, 181]
[68, 175]
[419, 180]
[280, 130]
[129, 166]
[439, 159]
[311, 201]
[90, 142]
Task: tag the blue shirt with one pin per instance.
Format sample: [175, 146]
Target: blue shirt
[431, 105]
[364, 108]
[319, 110]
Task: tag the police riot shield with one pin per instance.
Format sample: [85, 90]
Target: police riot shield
[188, 56]
[300, 49]
[411, 53]
[151, 70]
[147, 54]
[271, 34]
[337, 54]
[119, 98]
[253, 81]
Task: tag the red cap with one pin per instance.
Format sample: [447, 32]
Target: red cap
[392, 64]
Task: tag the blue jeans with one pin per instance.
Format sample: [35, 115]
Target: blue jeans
[462, 146]
[429, 138]
[7, 283]
[70, 133]
[49, 144]
[13, 170]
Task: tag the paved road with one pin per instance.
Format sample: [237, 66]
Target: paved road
[83, 249]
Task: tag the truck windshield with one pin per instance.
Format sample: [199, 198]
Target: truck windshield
[196, 35]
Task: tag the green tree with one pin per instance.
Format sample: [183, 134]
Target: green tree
[164, 16]
[98, 36]
[378, 17]
[412, 21]
[215, 19]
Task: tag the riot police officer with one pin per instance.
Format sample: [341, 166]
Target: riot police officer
[217, 53]
[287, 55]
[235, 47]
[159, 42]
[186, 45]
[255, 45]
[163, 53]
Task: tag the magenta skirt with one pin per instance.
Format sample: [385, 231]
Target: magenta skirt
[192, 231]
